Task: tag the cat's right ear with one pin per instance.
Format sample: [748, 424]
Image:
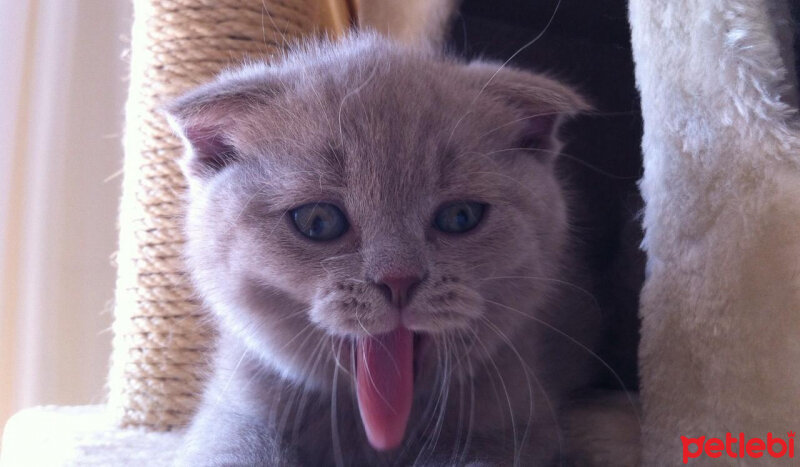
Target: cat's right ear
[544, 103]
[211, 119]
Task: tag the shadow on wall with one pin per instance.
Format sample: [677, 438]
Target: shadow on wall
[588, 47]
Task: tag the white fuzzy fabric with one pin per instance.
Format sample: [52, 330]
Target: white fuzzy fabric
[81, 436]
[721, 304]
[601, 430]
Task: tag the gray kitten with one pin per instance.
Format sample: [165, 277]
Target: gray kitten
[384, 243]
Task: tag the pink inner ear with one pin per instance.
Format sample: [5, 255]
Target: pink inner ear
[211, 150]
[539, 132]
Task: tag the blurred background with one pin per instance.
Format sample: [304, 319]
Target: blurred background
[62, 90]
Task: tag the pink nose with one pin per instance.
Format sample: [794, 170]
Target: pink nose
[398, 288]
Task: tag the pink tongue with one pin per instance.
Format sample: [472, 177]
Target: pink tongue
[385, 384]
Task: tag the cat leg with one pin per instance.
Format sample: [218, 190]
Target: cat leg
[220, 437]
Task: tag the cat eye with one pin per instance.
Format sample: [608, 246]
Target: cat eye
[459, 217]
[320, 221]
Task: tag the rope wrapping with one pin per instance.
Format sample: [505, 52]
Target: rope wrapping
[161, 336]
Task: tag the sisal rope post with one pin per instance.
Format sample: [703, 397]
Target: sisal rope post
[161, 339]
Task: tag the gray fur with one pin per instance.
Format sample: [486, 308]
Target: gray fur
[388, 134]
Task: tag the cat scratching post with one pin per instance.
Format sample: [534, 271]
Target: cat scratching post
[721, 305]
[160, 338]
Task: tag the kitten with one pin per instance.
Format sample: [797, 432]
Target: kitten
[384, 243]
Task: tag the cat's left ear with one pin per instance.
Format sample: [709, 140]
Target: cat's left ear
[543, 103]
[212, 119]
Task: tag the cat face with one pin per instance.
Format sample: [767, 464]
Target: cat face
[351, 190]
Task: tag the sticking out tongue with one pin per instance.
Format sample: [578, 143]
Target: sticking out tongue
[385, 384]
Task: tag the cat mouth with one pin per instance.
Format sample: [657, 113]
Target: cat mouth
[418, 341]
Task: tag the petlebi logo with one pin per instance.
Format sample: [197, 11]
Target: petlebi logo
[740, 447]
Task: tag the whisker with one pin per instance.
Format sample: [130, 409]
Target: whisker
[446, 395]
[599, 170]
[299, 333]
[566, 156]
[547, 279]
[375, 387]
[516, 120]
[505, 390]
[528, 371]
[503, 65]
[298, 389]
[528, 44]
[544, 114]
[338, 257]
[432, 409]
[582, 346]
[316, 357]
[471, 378]
[346, 96]
[337, 445]
[249, 200]
[236, 367]
[284, 40]
[233, 372]
[459, 425]
[336, 358]
[291, 315]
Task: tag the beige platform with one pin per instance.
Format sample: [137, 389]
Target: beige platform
[604, 430]
[81, 436]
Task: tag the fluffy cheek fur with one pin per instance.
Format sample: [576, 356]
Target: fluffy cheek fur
[520, 284]
[240, 266]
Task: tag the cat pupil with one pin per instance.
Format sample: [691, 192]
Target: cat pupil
[317, 226]
[462, 219]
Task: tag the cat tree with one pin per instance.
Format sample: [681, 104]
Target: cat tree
[160, 341]
[721, 303]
